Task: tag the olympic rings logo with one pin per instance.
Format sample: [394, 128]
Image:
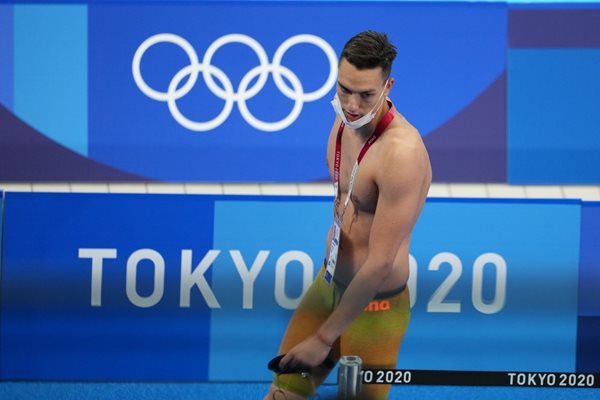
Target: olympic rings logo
[226, 91]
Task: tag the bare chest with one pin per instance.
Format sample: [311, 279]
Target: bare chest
[363, 198]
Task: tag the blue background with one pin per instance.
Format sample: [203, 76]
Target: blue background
[494, 87]
[457, 52]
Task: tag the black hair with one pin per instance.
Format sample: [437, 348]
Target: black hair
[370, 49]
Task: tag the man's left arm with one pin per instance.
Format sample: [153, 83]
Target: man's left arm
[398, 207]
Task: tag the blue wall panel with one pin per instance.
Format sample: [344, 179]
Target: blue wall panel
[51, 72]
[554, 123]
[553, 94]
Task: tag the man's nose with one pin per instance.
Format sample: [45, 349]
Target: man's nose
[353, 102]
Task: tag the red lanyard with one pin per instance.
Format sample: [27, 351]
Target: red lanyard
[385, 121]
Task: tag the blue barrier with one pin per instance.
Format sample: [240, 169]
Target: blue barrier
[173, 287]
[588, 346]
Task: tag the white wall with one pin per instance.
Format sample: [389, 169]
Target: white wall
[488, 190]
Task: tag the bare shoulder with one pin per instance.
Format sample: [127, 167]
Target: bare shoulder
[402, 153]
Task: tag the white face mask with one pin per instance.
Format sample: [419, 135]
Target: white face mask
[362, 121]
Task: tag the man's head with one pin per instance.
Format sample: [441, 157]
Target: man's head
[364, 76]
[369, 50]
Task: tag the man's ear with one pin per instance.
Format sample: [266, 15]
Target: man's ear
[390, 84]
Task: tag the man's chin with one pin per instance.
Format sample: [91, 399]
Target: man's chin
[352, 118]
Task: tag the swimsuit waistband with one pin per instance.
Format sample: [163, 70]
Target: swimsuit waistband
[379, 296]
[390, 293]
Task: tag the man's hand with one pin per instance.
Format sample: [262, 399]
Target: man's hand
[311, 353]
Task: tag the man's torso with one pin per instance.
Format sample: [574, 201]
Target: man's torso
[358, 217]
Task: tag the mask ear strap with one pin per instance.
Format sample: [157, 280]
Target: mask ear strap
[383, 92]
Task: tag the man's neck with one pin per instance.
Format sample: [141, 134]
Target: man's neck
[366, 131]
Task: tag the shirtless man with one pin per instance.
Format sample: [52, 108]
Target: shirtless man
[364, 309]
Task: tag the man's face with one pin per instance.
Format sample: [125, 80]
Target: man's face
[359, 90]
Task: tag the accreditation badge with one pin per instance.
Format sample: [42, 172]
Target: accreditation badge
[333, 250]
